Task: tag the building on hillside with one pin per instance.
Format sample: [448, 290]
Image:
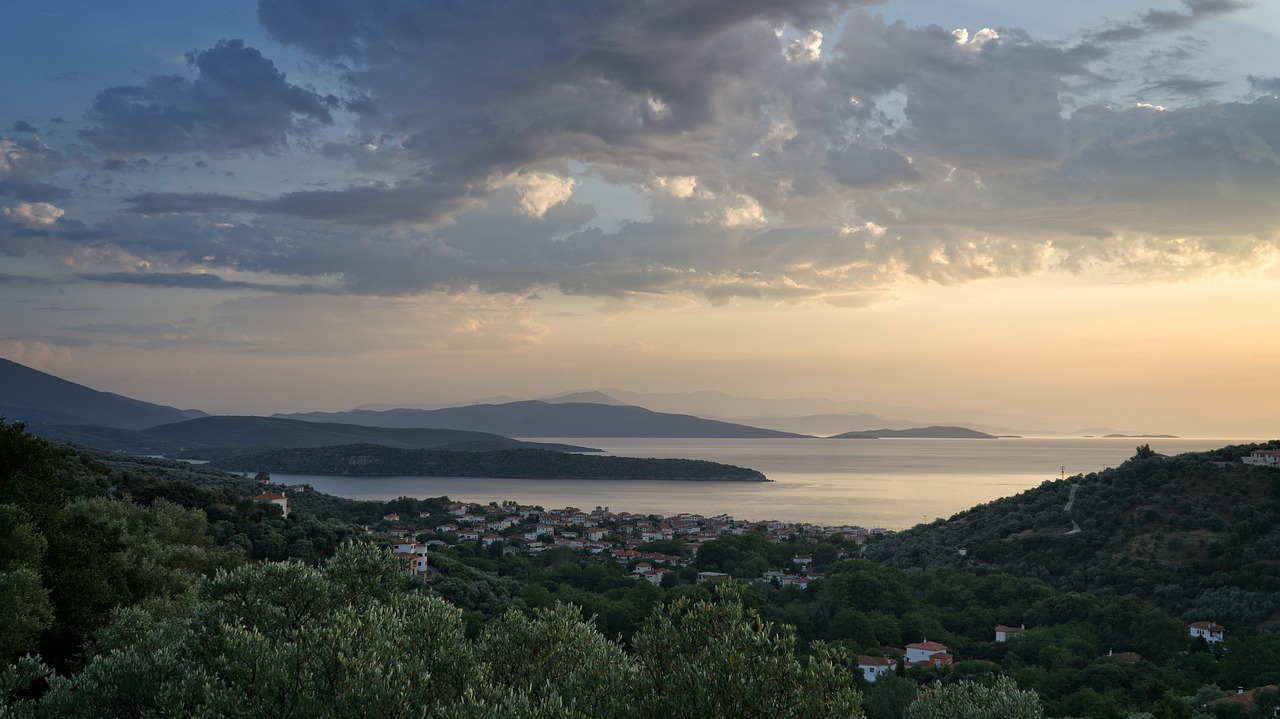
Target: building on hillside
[921, 651]
[873, 667]
[929, 654]
[1263, 458]
[1247, 699]
[279, 500]
[1211, 632]
[1004, 634]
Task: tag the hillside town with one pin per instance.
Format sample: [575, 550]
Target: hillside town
[618, 537]
[622, 537]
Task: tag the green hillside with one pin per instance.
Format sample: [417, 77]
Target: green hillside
[1198, 534]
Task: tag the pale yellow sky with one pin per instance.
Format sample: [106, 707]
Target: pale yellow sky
[1139, 357]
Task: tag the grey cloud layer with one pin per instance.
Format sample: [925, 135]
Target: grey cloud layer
[888, 154]
[237, 101]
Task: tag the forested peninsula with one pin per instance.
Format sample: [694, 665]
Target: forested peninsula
[378, 460]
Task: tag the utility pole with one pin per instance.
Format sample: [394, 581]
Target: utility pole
[1063, 468]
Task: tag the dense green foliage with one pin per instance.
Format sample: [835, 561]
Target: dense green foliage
[140, 587]
[372, 459]
[1197, 535]
[967, 700]
[346, 639]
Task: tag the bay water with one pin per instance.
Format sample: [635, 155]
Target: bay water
[889, 483]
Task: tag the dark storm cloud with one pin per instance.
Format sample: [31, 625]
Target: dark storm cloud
[1164, 21]
[154, 203]
[23, 126]
[1269, 85]
[374, 206]
[776, 162]
[237, 101]
[870, 167]
[479, 88]
[32, 190]
[1186, 86]
[194, 281]
[6, 278]
[27, 158]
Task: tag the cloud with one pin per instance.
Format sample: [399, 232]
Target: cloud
[1269, 85]
[1183, 85]
[197, 202]
[199, 281]
[540, 191]
[1166, 21]
[24, 126]
[27, 158]
[238, 101]
[37, 354]
[34, 214]
[792, 151]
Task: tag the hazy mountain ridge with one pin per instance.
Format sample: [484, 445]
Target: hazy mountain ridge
[61, 409]
[208, 437]
[536, 418]
[937, 432]
[224, 431]
[30, 395]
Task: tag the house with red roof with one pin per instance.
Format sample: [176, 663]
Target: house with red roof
[1211, 632]
[873, 667]
[1004, 634]
[928, 654]
[1247, 699]
[279, 500]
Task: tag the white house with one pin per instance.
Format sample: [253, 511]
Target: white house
[1211, 631]
[279, 500]
[1004, 634]
[873, 667]
[924, 651]
[1263, 458]
[408, 546]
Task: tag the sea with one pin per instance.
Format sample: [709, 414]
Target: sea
[886, 483]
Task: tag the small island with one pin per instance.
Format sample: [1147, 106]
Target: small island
[917, 433]
[379, 460]
[1140, 436]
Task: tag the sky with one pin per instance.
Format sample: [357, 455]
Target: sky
[1047, 209]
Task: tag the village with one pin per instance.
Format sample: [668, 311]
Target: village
[618, 537]
[621, 537]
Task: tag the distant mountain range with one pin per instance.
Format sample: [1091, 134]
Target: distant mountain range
[57, 408]
[810, 415]
[536, 418]
[33, 396]
[213, 437]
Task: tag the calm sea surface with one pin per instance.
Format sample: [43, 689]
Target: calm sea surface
[891, 483]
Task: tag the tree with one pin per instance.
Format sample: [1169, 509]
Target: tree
[1144, 451]
[716, 658]
[24, 602]
[889, 697]
[345, 640]
[968, 700]
[1170, 706]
